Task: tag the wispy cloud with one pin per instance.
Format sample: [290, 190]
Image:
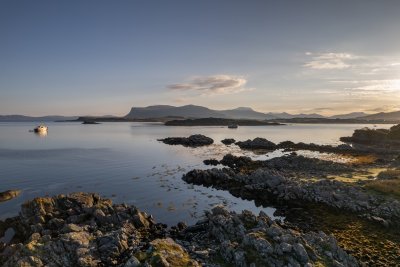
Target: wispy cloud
[372, 87]
[212, 85]
[329, 61]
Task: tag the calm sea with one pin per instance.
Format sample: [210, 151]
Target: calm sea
[125, 162]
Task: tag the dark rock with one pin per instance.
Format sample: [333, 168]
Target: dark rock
[257, 143]
[191, 141]
[228, 141]
[213, 162]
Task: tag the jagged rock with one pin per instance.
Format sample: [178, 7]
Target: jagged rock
[245, 240]
[49, 238]
[273, 184]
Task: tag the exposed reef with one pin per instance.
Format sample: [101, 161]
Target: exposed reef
[195, 140]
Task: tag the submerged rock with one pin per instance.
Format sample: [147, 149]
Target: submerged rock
[9, 194]
[191, 141]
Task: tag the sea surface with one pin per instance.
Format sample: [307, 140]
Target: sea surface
[125, 162]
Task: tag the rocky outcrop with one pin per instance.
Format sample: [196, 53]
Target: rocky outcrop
[257, 143]
[191, 141]
[342, 148]
[249, 240]
[228, 141]
[266, 185]
[9, 194]
[301, 165]
[293, 165]
[388, 139]
[83, 229]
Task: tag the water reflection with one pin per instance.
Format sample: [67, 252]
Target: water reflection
[125, 162]
[41, 133]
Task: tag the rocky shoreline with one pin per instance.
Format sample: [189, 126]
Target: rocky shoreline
[328, 222]
[359, 206]
[83, 229]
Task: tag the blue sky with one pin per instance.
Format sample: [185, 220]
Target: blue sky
[103, 57]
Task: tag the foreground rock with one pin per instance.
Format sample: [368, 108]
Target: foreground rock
[85, 230]
[191, 141]
[9, 194]
[248, 240]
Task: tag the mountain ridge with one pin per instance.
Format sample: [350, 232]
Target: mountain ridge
[193, 111]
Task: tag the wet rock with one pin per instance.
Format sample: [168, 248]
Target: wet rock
[301, 164]
[273, 184]
[9, 194]
[342, 148]
[191, 141]
[257, 143]
[237, 163]
[228, 141]
[213, 162]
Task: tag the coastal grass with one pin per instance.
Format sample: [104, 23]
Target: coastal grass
[386, 187]
[363, 159]
[361, 175]
[387, 183]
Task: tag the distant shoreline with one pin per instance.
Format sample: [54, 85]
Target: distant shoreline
[174, 121]
[210, 121]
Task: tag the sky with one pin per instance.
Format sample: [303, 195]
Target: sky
[96, 57]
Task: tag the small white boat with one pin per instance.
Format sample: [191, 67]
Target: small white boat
[232, 126]
[41, 129]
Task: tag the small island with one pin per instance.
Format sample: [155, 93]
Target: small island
[220, 122]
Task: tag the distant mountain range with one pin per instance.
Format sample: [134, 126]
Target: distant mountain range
[22, 118]
[167, 112]
[389, 116]
[192, 111]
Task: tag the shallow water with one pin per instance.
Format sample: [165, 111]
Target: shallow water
[125, 162]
